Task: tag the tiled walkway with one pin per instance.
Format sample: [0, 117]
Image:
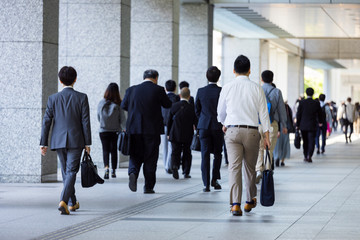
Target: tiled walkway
[320, 200]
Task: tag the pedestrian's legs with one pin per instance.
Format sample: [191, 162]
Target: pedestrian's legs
[311, 139]
[151, 155]
[136, 154]
[114, 150]
[305, 139]
[206, 144]
[186, 158]
[106, 147]
[217, 139]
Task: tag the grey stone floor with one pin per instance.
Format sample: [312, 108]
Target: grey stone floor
[313, 201]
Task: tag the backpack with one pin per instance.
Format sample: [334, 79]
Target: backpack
[270, 107]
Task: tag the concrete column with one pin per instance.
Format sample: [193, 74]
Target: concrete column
[196, 36]
[28, 75]
[154, 39]
[233, 47]
[295, 79]
[95, 40]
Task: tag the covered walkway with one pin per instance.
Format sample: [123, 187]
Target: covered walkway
[313, 201]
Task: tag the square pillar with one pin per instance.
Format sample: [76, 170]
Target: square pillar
[196, 37]
[28, 75]
[154, 39]
[95, 40]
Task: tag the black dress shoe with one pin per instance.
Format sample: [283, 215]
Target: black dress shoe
[169, 171]
[282, 164]
[113, 174]
[318, 151]
[207, 189]
[132, 182]
[106, 176]
[277, 162]
[216, 185]
[175, 174]
[148, 191]
[187, 176]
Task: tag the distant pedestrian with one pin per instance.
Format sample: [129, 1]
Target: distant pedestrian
[67, 112]
[186, 84]
[211, 135]
[181, 125]
[347, 115]
[321, 131]
[309, 116]
[143, 103]
[282, 148]
[242, 102]
[110, 116]
[334, 115]
[170, 87]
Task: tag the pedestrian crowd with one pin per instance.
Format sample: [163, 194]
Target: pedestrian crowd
[240, 120]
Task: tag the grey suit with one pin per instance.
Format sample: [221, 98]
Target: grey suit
[68, 112]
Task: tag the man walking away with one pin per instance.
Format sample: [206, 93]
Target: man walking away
[211, 135]
[277, 117]
[145, 124]
[68, 113]
[347, 113]
[242, 102]
[181, 125]
[309, 116]
[321, 131]
[170, 87]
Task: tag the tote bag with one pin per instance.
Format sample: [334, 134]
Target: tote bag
[89, 173]
[267, 193]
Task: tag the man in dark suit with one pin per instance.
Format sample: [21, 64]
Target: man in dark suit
[309, 116]
[186, 84]
[181, 124]
[210, 130]
[145, 124]
[170, 87]
[68, 112]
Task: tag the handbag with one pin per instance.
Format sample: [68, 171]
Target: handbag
[297, 140]
[195, 143]
[89, 173]
[123, 143]
[267, 193]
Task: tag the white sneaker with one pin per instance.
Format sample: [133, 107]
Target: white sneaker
[258, 177]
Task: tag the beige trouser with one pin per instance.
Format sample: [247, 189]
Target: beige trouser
[242, 146]
[273, 140]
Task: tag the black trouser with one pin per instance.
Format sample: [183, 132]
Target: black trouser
[308, 143]
[211, 142]
[346, 126]
[109, 146]
[321, 131]
[144, 150]
[177, 149]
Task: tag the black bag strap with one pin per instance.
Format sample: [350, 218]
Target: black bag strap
[267, 157]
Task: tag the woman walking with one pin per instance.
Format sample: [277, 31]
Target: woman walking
[110, 116]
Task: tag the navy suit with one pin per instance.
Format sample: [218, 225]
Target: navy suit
[210, 131]
[68, 112]
[181, 124]
[145, 124]
[308, 115]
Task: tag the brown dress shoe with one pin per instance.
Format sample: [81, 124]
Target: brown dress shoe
[236, 211]
[76, 206]
[250, 205]
[63, 208]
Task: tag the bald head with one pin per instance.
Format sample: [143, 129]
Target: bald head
[185, 93]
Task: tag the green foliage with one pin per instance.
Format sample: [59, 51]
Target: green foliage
[315, 79]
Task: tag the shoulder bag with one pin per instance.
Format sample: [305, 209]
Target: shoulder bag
[267, 193]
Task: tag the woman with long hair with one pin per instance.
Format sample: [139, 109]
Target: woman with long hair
[110, 116]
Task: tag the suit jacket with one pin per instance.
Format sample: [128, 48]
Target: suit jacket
[181, 122]
[166, 111]
[206, 107]
[143, 103]
[308, 115]
[68, 112]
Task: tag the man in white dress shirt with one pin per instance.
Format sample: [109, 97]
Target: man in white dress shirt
[241, 104]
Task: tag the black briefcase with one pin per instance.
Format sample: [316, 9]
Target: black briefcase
[124, 143]
[89, 173]
[267, 192]
[195, 143]
[297, 140]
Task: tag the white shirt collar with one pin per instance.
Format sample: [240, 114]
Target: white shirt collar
[183, 99]
[213, 83]
[68, 87]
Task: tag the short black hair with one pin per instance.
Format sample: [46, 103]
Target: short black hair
[67, 75]
[170, 85]
[184, 84]
[348, 99]
[242, 64]
[213, 74]
[267, 76]
[309, 91]
[151, 73]
[322, 97]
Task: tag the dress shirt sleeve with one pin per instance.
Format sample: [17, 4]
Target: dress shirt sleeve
[263, 111]
[221, 107]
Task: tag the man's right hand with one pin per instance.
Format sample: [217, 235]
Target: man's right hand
[224, 129]
[266, 140]
[87, 149]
